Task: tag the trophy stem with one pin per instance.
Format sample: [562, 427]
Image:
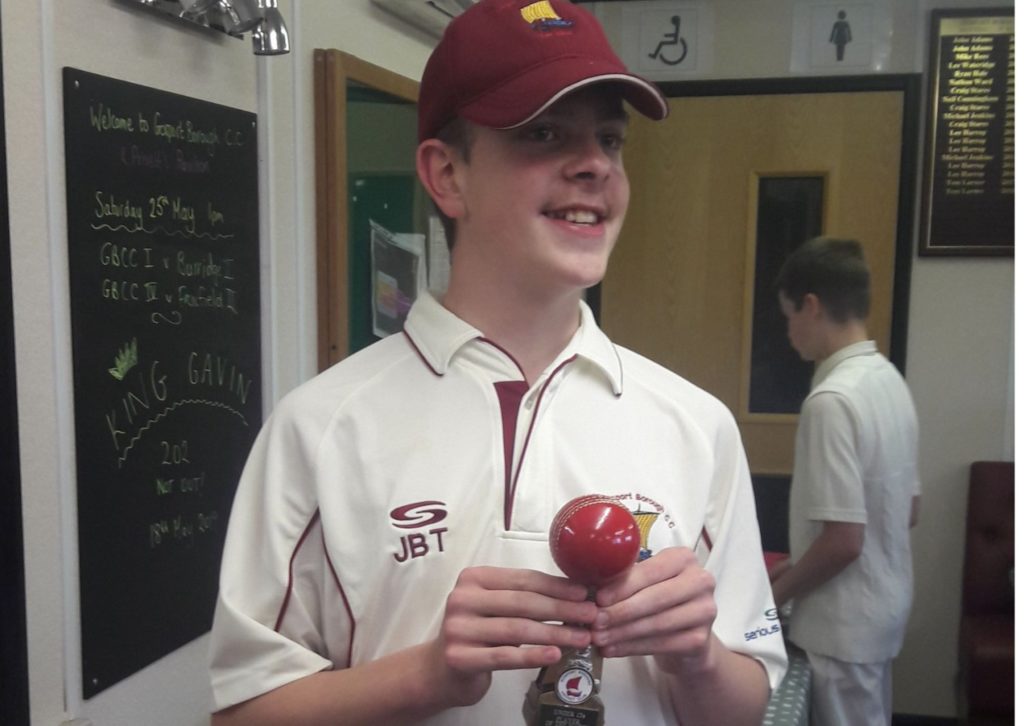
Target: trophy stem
[566, 694]
[594, 539]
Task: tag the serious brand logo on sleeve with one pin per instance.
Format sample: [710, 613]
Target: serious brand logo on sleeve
[771, 627]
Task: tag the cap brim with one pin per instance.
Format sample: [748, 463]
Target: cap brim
[531, 93]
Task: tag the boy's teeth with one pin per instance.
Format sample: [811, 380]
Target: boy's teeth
[577, 216]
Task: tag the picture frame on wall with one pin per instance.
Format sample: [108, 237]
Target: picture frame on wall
[968, 192]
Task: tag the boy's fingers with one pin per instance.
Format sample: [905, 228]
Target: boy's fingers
[664, 566]
[492, 592]
[514, 631]
[470, 659]
[501, 578]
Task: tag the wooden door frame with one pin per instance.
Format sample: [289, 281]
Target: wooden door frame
[910, 86]
[332, 69]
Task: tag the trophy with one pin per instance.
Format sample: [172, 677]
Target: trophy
[593, 539]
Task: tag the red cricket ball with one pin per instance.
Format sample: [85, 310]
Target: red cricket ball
[594, 539]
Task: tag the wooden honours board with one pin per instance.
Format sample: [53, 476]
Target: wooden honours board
[968, 198]
[163, 255]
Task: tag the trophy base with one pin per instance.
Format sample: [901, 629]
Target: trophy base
[545, 709]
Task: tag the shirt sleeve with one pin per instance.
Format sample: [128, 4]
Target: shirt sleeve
[266, 630]
[829, 432]
[747, 621]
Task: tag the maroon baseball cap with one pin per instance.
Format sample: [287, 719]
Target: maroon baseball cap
[503, 62]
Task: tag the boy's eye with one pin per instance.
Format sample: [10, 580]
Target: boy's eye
[541, 133]
[613, 141]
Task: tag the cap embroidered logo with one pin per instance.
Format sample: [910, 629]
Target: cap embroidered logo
[542, 16]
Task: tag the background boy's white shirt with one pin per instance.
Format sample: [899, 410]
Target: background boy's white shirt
[856, 461]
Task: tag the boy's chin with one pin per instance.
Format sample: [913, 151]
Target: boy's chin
[587, 281]
[592, 269]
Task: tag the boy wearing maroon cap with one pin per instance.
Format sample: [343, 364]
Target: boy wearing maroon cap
[387, 557]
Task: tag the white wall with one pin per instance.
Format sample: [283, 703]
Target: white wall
[39, 38]
[959, 359]
[113, 38]
[360, 29]
[960, 348]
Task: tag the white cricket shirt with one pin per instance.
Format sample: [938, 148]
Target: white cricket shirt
[856, 461]
[372, 486]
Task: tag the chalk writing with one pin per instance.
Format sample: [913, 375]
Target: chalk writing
[183, 529]
[174, 318]
[163, 414]
[104, 118]
[208, 369]
[174, 453]
[163, 259]
[165, 486]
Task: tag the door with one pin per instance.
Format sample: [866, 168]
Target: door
[722, 191]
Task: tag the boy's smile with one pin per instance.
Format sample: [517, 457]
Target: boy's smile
[577, 216]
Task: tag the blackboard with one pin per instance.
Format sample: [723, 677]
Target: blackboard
[163, 257]
[968, 202]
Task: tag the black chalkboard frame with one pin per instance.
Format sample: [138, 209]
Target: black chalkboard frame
[14, 701]
[164, 279]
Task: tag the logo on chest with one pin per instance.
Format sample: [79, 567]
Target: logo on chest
[649, 515]
[424, 518]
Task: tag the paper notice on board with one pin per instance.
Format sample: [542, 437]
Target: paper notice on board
[398, 276]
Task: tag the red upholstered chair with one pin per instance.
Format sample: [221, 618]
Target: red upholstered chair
[986, 620]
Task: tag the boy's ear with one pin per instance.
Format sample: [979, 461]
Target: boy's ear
[436, 166]
[812, 303]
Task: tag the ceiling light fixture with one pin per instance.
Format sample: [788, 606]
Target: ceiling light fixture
[233, 17]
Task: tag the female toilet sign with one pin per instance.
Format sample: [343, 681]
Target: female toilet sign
[836, 37]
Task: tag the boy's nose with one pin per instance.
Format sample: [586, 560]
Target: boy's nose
[588, 160]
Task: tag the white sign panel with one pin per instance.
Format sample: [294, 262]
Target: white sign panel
[666, 39]
[836, 38]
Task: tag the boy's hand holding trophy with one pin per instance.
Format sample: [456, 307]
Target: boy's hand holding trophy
[594, 539]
